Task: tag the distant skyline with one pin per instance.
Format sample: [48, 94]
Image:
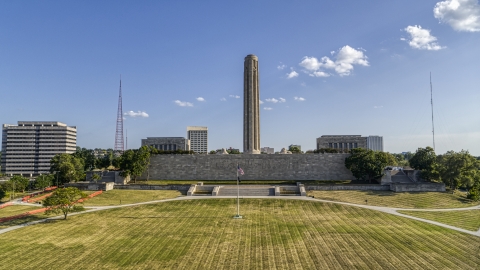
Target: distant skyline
[326, 68]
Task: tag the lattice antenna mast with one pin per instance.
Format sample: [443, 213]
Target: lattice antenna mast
[431, 102]
[119, 132]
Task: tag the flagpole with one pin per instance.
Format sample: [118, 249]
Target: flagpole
[238, 194]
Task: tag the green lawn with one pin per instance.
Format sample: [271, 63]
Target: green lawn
[14, 210]
[119, 196]
[469, 220]
[8, 196]
[400, 200]
[274, 234]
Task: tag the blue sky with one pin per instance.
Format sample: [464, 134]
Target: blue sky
[326, 68]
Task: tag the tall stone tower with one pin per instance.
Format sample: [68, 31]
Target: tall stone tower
[251, 106]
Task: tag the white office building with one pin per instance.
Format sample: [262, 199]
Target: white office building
[375, 143]
[28, 147]
[198, 137]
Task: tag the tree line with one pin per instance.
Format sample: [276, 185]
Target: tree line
[455, 169]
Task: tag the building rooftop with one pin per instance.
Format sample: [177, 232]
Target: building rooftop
[324, 136]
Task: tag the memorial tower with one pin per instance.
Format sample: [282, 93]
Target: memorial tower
[251, 106]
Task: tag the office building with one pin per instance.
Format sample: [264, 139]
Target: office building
[267, 150]
[198, 137]
[167, 143]
[375, 143]
[341, 142]
[28, 147]
[347, 142]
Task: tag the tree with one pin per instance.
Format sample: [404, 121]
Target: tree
[458, 169]
[107, 160]
[212, 152]
[69, 168]
[426, 161]
[232, 151]
[326, 150]
[88, 157]
[367, 164]
[474, 192]
[3, 193]
[408, 155]
[64, 200]
[44, 180]
[134, 162]
[401, 160]
[19, 183]
[96, 177]
[294, 150]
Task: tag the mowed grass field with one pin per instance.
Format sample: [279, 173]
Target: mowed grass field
[119, 196]
[274, 234]
[435, 200]
[17, 210]
[13, 210]
[468, 219]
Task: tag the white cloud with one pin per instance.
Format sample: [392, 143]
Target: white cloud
[273, 100]
[183, 103]
[223, 99]
[234, 96]
[344, 63]
[292, 74]
[303, 84]
[319, 74]
[378, 107]
[299, 98]
[267, 108]
[200, 99]
[346, 58]
[136, 114]
[421, 39]
[461, 15]
[281, 66]
[261, 102]
[310, 63]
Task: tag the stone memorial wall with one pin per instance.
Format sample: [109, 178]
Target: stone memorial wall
[256, 167]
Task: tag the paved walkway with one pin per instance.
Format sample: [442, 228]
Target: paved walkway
[389, 210]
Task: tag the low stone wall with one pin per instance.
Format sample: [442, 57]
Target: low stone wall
[92, 185]
[153, 187]
[417, 187]
[108, 176]
[348, 187]
[256, 167]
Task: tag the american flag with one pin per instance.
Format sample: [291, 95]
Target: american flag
[240, 171]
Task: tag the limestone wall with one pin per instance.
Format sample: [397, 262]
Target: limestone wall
[91, 185]
[256, 167]
[348, 187]
[417, 187]
[153, 187]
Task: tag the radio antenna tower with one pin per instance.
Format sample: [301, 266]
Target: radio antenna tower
[119, 131]
[431, 102]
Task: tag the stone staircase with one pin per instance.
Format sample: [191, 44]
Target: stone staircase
[246, 190]
[400, 177]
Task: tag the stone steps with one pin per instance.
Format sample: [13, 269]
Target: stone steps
[247, 191]
[400, 177]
